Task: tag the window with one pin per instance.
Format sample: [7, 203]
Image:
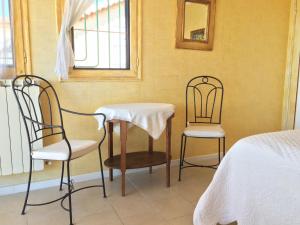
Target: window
[106, 40]
[6, 42]
[14, 40]
[101, 38]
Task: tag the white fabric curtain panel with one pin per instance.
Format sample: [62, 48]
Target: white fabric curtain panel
[6, 41]
[74, 9]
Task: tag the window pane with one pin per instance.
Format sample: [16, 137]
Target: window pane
[6, 41]
[100, 37]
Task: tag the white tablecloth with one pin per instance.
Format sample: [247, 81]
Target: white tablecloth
[152, 117]
[257, 183]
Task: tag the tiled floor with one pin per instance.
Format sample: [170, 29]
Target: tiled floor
[148, 202]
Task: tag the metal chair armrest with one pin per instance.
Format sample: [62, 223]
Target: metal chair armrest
[83, 114]
[90, 114]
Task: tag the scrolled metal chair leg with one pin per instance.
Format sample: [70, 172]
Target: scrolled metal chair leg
[183, 154]
[69, 193]
[184, 148]
[180, 160]
[102, 175]
[28, 188]
[62, 176]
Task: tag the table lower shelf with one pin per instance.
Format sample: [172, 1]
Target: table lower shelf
[136, 160]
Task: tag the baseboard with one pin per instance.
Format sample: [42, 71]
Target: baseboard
[90, 176]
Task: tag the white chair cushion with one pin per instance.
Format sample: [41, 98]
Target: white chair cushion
[205, 131]
[60, 151]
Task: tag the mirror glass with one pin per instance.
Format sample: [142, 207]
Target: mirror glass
[196, 21]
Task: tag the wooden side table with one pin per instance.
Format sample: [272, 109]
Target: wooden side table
[136, 160]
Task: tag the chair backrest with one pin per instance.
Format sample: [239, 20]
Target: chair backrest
[39, 105]
[204, 99]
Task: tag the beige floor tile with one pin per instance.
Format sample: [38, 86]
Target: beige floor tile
[190, 192]
[113, 188]
[185, 220]
[89, 201]
[171, 208]
[47, 216]
[84, 202]
[201, 175]
[108, 217]
[12, 203]
[146, 218]
[131, 205]
[39, 213]
[12, 218]
[147, 201]
[153, 186]
[154, 190]
[44, 195]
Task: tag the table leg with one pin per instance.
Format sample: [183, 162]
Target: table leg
[123, 137]
[168, 149]
[110, 146]
[150, 149]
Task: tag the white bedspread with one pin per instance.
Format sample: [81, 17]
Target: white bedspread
[257, 183]
[152, 117]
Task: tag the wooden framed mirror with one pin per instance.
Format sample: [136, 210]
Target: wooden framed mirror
[195, 24]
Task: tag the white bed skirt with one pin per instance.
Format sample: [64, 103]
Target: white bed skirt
[257, 183]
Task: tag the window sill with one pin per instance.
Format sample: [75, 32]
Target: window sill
[100, 79]
[77, 75]
[72, 79]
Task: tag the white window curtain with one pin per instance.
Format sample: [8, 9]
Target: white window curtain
[6, 41]
[74, 9]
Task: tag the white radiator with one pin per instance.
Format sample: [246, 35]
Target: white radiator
[14, 148]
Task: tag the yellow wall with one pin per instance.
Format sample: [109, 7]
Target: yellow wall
[248, 56]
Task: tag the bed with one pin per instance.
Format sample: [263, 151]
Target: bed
[257, 183]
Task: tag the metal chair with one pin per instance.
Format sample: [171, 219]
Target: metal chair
[204, 99]
[43, 119]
